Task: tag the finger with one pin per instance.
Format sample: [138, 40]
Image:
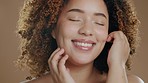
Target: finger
[51, 57]
[127, 43]
[119, 37]
[115, 36]
[61, 65]
[55, 60]
[110, 37]
[49, 60]
[53, 54]
[126, 39]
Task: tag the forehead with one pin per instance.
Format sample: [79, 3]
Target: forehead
[88, 6]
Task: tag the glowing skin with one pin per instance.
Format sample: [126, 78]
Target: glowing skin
[82, 30]
[81, 33]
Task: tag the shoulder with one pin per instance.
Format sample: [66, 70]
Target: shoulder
[44, 79]
[134, 79]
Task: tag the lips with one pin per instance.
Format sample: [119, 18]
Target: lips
[83, 44]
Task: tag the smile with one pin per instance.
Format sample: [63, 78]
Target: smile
[82, 44]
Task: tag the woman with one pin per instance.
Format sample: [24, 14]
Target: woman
[78, 41]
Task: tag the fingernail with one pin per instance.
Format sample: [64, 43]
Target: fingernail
[62, 49]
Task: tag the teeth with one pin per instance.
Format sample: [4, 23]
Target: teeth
[83, 44]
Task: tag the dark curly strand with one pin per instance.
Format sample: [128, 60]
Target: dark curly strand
[39, 17]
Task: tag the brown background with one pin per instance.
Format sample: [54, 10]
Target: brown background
[9, 43]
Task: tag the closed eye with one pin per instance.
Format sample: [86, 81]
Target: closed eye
[74, 20]
[99, 23]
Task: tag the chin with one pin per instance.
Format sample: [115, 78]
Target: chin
[79, 61]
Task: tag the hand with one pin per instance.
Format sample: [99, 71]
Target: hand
[119, 51]
[59, 73]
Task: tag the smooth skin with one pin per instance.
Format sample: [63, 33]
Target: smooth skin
[86, 21]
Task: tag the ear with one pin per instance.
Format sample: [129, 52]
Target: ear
[53, 34]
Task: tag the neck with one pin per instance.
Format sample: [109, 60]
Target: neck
[82, 73]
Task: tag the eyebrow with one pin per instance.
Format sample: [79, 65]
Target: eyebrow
[81, 11]
[100, 14]
[76, 10]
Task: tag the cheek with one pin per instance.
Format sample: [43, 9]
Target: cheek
[67, 29]
[65, 32]
[61, 28]
[102, 35]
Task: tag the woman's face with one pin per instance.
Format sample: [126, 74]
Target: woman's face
[82, 30]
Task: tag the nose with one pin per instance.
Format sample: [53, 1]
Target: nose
[86, 29]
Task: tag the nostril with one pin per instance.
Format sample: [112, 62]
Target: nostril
[86, 30]
[86, 33]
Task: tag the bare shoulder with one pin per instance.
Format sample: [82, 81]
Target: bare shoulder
[44, 79]
[134, 79]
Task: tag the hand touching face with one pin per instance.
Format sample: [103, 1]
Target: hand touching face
[119, 51]
[59, 72]
[82, 30]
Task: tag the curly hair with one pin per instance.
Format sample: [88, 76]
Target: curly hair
[39, 17]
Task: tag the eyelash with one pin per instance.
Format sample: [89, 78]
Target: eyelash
[79, 20]
[74, 20]
[99, 23]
